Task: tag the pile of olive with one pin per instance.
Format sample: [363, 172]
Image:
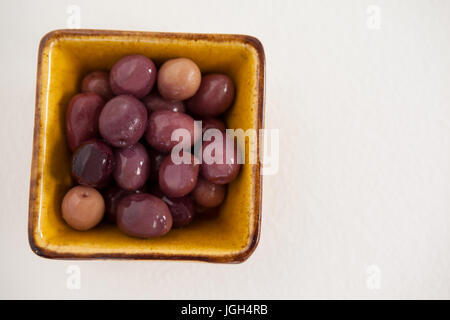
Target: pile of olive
[119, 130]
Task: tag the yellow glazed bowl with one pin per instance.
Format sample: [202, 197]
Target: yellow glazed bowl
[65, 56]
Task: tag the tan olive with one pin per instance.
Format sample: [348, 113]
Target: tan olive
[179, 79]
[83, 208]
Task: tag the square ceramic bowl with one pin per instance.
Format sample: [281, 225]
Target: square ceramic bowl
[65, 56]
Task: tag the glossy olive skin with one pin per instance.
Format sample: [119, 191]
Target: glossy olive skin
[228, 169]
[215, 96]
[156, 158]
[182, 209]
[82, 208]
[143, 216]
[162, 124]
[177, 180]
[179, 79]
[93, 164]
[209, 195]
[123, 121]
[82, 118]
[97, 82]
[134, 74]
[112, 196]
[154, 102]
[132, 167]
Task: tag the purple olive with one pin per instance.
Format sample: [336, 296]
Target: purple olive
[213, 123]
[132, 167]
[220, 161]
[112, 195]
[134, 74]
[215, 96]
[82, 118]
[144, 216]
[161, 125]
[123, 121]
[177, 180]
[93, 164]
[182, 209]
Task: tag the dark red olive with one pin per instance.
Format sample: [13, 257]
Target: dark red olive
[156, 158]
[134, 74]
[144, 216]
[213, 123]
[206, 213]
[93, 164]
[112, 195]
[97, 82]
[215, 96]
[154, 102]
[82, 118]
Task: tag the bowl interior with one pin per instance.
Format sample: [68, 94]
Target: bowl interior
[65, 59]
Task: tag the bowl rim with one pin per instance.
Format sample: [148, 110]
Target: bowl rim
[33, 210]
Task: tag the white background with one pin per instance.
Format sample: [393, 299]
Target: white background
[364, 179]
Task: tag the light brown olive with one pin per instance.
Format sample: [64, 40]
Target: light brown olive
[83, 208]
[179, 79]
